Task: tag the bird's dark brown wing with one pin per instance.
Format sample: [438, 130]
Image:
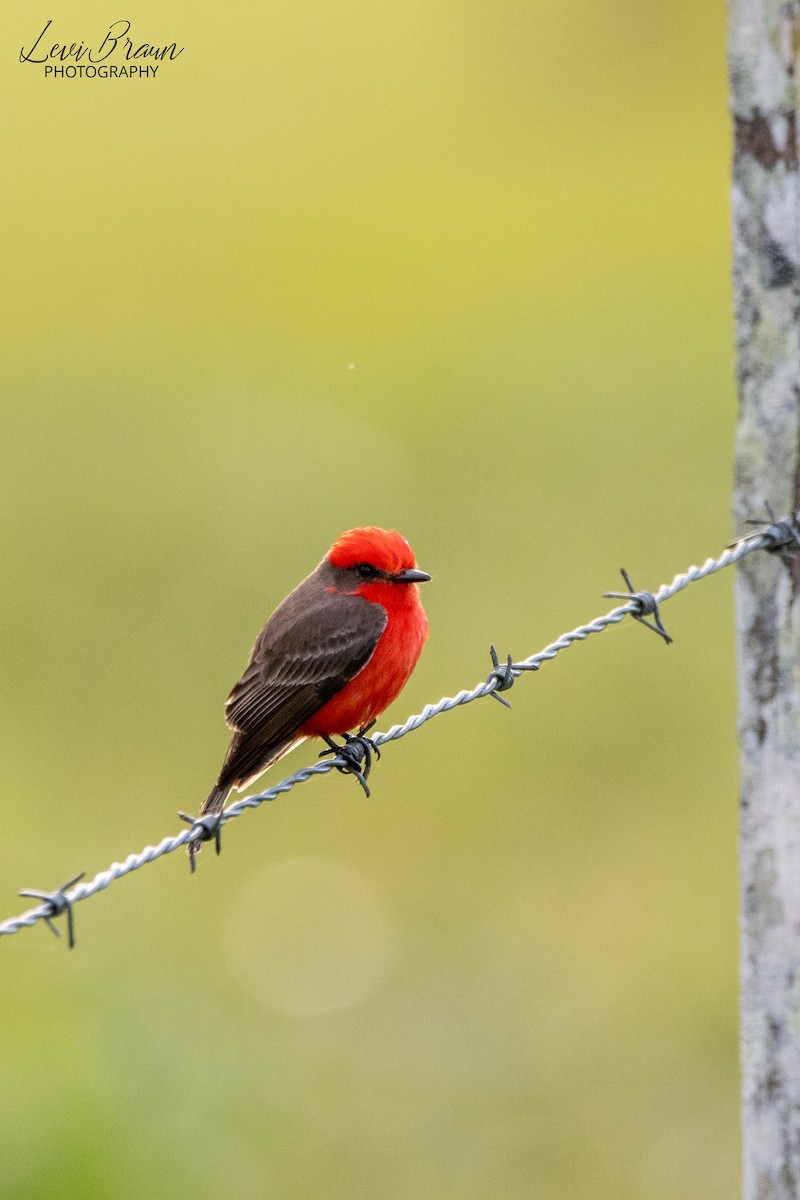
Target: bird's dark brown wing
[309, 649]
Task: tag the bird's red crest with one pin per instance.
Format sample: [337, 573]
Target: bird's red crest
[382, 548]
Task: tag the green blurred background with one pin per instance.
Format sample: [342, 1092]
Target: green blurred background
[460, 269]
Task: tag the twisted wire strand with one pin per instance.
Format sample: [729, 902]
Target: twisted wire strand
[773, 537]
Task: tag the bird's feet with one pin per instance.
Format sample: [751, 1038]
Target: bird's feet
[357, 749]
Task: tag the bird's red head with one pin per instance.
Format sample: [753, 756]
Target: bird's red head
[371, 561]
[383, 549]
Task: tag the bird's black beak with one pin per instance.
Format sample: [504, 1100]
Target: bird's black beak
[411, 576]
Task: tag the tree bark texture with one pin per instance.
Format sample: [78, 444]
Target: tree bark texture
[764, 60]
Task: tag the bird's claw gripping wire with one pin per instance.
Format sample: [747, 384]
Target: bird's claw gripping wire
[647, 606]
[503, 675]
[357, 748]
[203, 829]
[780, 535]
[58, 902]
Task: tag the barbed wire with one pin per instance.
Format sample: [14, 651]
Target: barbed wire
[778, 536]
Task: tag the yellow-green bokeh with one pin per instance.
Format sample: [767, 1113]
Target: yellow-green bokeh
[456, 268]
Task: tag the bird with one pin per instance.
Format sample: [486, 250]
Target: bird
[333, 655]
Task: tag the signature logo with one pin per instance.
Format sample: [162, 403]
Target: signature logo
[117, 55]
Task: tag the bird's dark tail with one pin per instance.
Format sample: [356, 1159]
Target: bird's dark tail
[215, 801]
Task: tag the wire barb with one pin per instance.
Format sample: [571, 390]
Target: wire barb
[778, 535]
[503, 677]
[203, 829]
[647, 606]
[56, 903]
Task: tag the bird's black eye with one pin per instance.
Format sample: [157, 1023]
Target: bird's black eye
[366, 570]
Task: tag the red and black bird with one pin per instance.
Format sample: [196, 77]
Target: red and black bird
[330, 659]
